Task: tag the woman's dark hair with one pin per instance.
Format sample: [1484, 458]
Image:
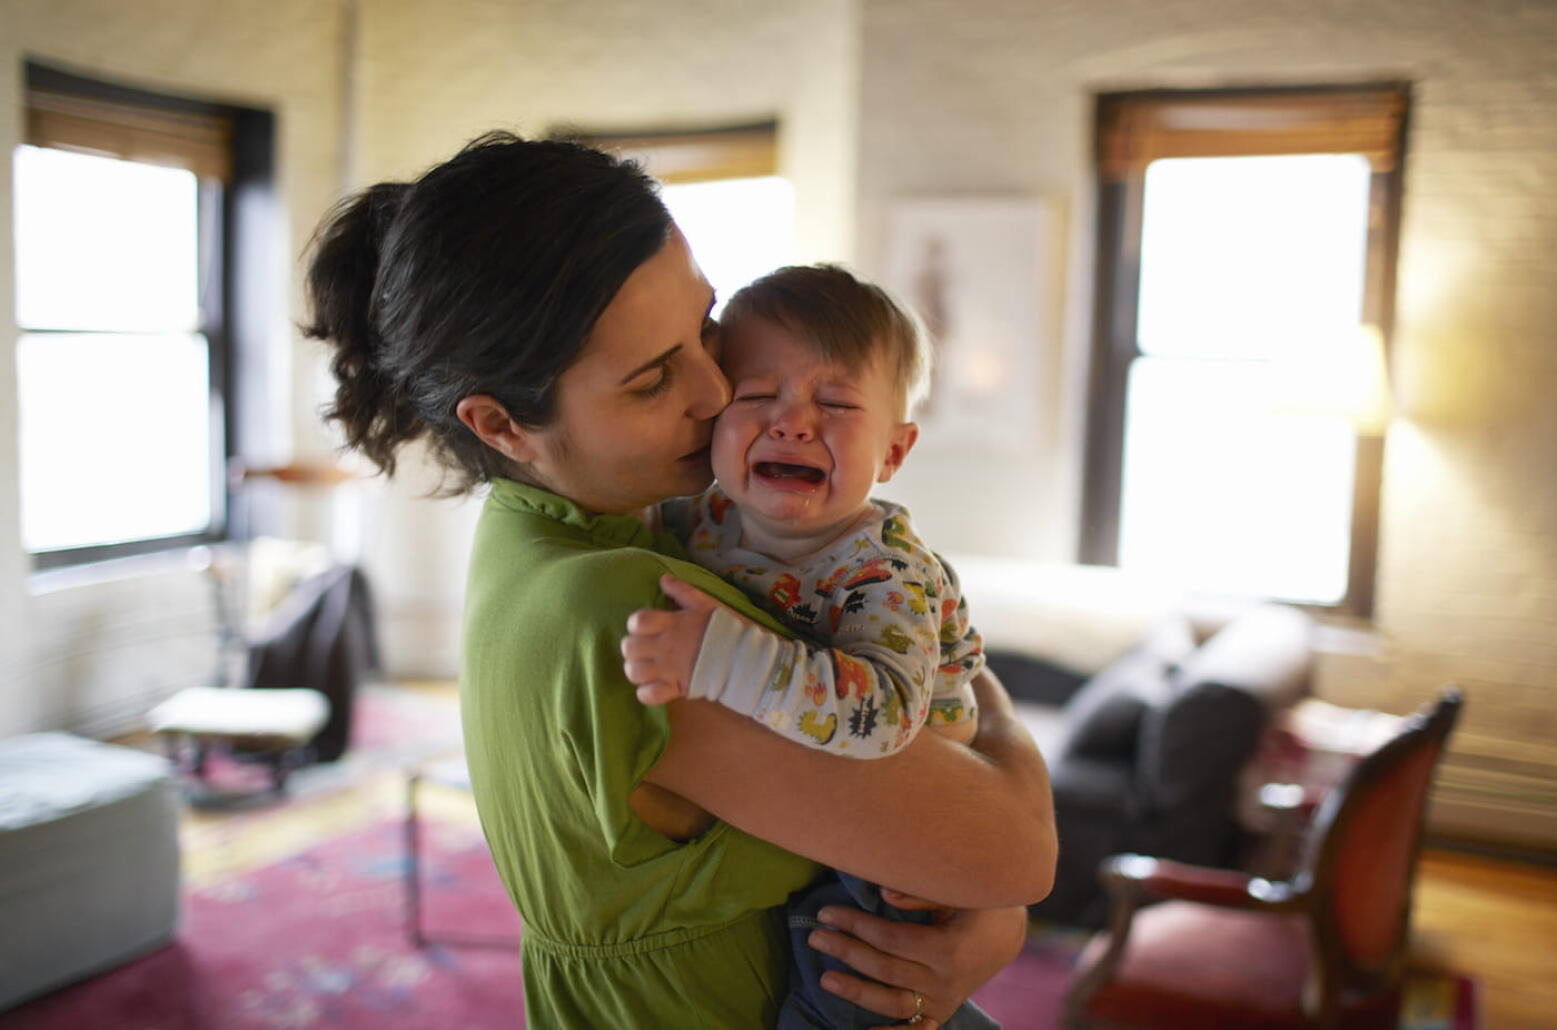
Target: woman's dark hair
[483, 276]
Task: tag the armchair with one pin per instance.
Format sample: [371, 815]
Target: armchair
[1324, 948]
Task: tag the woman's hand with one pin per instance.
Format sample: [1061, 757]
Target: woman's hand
[943, 963]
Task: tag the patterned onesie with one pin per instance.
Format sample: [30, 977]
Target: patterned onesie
[900, 653]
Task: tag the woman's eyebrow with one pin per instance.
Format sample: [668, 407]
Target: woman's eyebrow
[641, 369]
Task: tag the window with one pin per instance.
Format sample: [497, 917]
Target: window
[127, 288]
[1246, 255]
[723, 189]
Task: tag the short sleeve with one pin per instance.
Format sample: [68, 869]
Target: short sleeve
[611, 739]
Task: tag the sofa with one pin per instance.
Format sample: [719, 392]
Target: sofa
[1146, 703]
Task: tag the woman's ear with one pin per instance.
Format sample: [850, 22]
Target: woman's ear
[486, 417]
[904, 436]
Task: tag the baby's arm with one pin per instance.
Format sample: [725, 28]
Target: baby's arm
[865, 697]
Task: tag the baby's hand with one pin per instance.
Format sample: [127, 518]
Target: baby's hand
[660, 648]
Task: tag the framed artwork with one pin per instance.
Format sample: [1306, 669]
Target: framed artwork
[976, 269]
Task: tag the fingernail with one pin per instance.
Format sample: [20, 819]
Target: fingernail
[819, 941]
[827, 916]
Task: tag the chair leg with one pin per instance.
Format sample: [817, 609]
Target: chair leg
[413, 865]
[1125, 901]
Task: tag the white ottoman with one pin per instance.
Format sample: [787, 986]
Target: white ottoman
[89, 859]
[275, 725]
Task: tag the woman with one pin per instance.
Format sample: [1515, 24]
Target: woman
[529, 311]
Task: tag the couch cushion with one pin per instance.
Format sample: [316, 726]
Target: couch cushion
[1104, 717]
[1033, 679]
[1266, 651]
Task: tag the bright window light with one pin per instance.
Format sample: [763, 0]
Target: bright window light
[1244, 261]
[1242, 257]
[1224, 495]
[103, 244]
[739, 229]
[115, 439]
[114, 417]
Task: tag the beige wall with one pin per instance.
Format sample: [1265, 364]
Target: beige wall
[994, 97]
[88, 650]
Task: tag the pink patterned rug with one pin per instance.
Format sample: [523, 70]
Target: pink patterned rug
[318, 940]
[280, 932]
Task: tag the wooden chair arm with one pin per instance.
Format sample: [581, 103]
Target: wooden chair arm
[1132, 878]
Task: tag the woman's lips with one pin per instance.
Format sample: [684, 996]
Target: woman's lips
[694, 457]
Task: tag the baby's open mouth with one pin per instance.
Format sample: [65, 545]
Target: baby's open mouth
[784, 470]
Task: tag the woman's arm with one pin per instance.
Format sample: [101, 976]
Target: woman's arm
[967, 828]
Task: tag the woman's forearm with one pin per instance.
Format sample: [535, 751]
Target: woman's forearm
[969, 828]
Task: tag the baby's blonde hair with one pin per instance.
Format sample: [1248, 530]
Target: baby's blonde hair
[848, 321]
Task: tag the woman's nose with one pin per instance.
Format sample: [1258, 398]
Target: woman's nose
[710, 391]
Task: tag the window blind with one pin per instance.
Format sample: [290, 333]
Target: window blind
[696, 156]
[1136, 129]
[199, 142]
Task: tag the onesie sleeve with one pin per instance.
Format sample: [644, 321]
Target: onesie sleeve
[868, 694]
[962, 654]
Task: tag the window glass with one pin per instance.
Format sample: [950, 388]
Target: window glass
[1223, 492]
[115, 435]
[1247, 257]
[104, 244]
[739, 229]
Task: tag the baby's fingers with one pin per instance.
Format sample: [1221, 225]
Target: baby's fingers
[659, 692]
[685, 595]
[650, 622]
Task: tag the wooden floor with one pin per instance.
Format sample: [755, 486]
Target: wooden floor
[1494, 920]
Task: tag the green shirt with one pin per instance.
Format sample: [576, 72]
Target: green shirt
[624, 927]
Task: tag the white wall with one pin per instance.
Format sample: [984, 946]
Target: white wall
[994, 97]
[91, 651]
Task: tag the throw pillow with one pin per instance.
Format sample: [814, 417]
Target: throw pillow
[1104, 717]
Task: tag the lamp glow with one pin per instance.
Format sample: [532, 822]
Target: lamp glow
[1346, 378]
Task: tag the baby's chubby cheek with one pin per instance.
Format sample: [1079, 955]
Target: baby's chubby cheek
[726, 451]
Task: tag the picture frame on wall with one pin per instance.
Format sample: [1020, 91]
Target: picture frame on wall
[975, 269]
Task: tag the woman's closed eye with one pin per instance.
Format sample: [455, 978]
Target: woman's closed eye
[659, 385]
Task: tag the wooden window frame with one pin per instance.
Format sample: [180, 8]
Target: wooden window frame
[224, 144]
[1135, 128]
[690, 155]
